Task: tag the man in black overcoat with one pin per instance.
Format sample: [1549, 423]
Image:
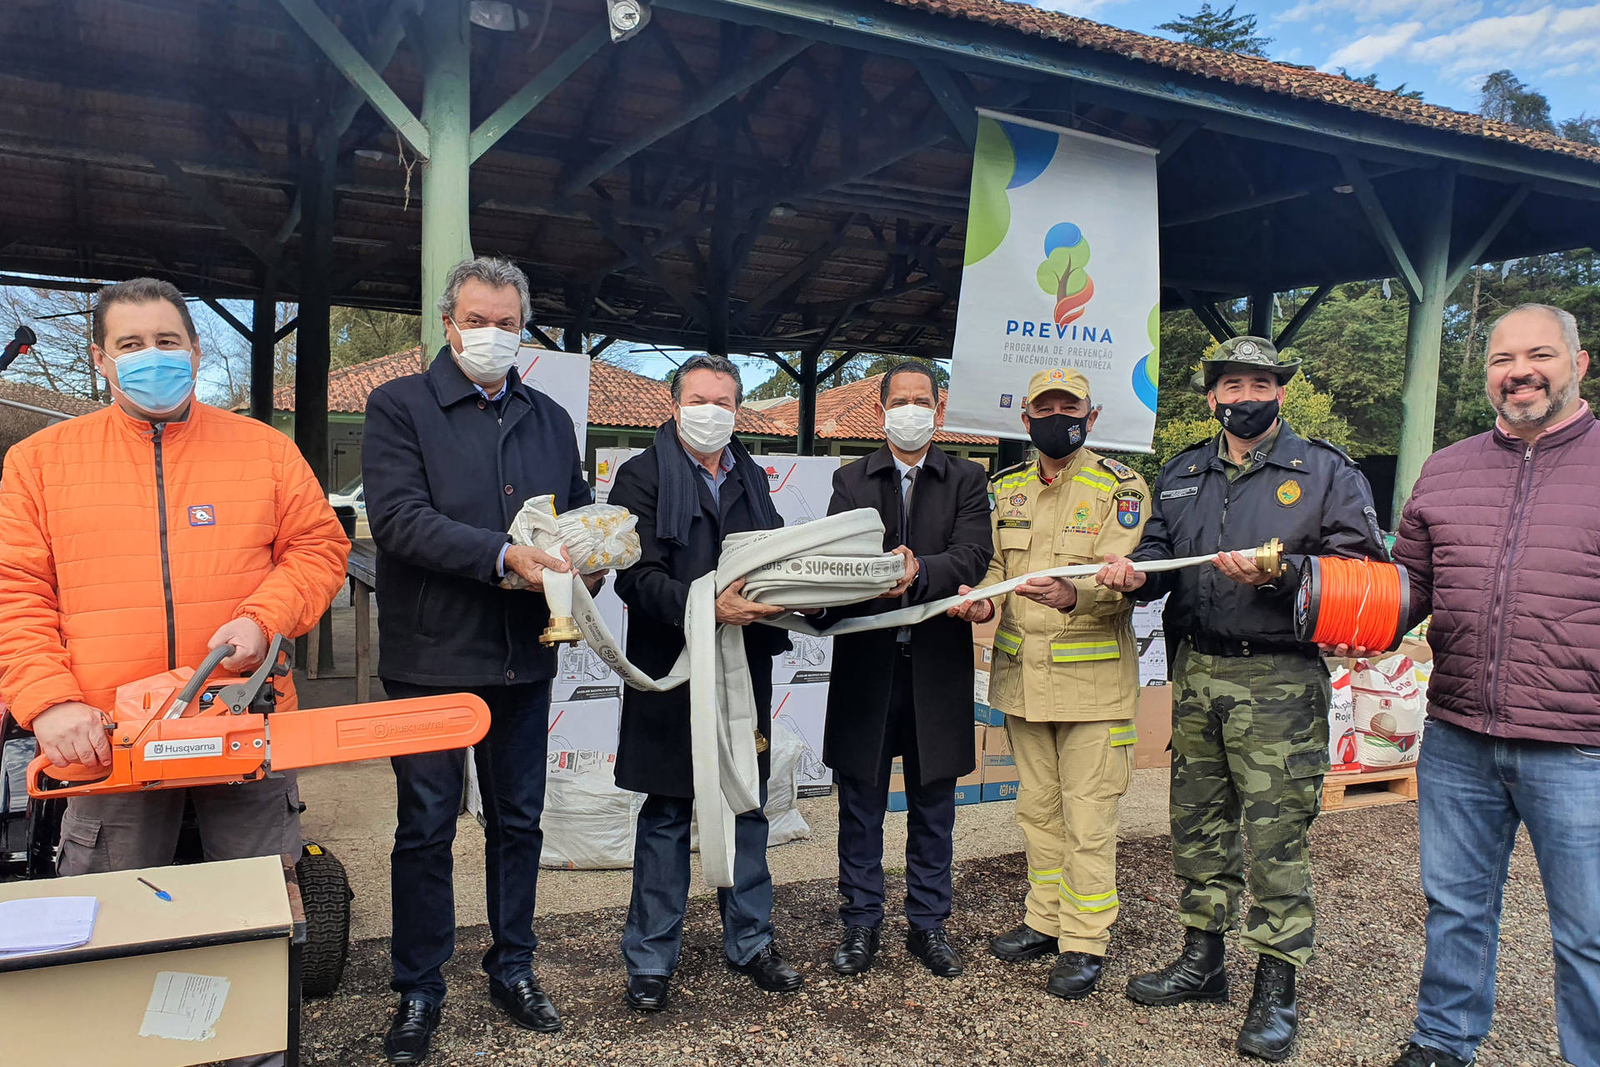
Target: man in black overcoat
[906, 692]
[695, 485]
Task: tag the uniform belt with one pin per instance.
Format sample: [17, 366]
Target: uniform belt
[1208, 645]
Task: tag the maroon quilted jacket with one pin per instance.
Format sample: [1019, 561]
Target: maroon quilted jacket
[1502, 542]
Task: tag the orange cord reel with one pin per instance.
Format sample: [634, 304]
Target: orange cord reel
[1361, 603]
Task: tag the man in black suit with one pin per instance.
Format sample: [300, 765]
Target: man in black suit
[906, 692]
[695, 485]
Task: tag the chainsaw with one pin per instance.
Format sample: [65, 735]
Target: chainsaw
[185, 728]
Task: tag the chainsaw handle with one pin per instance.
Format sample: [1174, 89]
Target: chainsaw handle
[202, 675]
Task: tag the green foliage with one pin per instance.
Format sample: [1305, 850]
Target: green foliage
[1505, 98]
[359, 334]
[1582, 129]
[1222, 30]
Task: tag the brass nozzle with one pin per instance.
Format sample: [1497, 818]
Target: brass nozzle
[561, 631]
[1269, 558]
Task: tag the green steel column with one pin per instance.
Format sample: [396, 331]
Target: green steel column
[1419, 397]
[446, 112]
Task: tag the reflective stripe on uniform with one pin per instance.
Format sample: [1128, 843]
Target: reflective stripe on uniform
[1044, 877]
[1124, 735]
[1079, 651]
[1098, 479]
[1009, 643]
[1097, 902]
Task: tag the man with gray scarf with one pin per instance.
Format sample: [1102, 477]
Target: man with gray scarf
[691, 488]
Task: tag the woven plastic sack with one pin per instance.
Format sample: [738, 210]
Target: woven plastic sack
[597, 537]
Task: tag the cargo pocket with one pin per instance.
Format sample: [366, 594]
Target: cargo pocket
[80, 846]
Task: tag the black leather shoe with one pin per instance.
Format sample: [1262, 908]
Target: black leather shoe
[1022, 944]
[647, 992]
[769, 971]
[1075, 975]
[933, 948]
[856, 949]
[1200, 973]
[1417, 1055]
[410, 1033]
[1272, 1021]
[527, 1004]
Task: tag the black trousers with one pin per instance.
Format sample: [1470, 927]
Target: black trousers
[931, 820]
[511, 766]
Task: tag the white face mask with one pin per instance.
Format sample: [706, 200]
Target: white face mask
[487, 353]
[909, 426]
[705, 428]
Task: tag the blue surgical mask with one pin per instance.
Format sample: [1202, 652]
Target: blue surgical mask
[157, 381]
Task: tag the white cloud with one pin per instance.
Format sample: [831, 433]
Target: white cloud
[1367, 52]
[1536, 44]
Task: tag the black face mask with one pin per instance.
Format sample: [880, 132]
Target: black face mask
[1247, 419]
[1058, 436]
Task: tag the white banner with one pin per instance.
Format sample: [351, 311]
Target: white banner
[564, 378]
[1061, 271]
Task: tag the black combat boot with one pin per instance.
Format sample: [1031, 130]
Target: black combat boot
[1199, 974]
[1272, 1021]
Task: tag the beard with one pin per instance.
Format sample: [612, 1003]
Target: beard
[1538, 409]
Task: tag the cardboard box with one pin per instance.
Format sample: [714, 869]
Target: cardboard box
[1153, 720]
[999, 765]
[983, 632]
[982, 656]
[809, 662]
[969, 787]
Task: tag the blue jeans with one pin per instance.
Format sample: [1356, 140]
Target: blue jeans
[511, 765]
[1473, 790]
[654, 932]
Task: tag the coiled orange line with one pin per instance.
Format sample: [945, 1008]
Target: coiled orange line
[1359, 604]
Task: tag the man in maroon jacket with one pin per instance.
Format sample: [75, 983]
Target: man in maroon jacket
[1502, 541]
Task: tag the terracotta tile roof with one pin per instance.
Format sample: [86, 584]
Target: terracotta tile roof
[1250, 71]
[39, 397]
[349, 387]
[845, 413]
[617, 397]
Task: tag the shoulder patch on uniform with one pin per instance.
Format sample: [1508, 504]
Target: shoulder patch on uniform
[1123, 472]
[1002, 472]
[1130, 507]
[1331, 447]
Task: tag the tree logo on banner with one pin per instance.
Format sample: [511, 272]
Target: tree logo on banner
[1064, 273]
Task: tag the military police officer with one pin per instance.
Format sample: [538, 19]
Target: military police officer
[1066, 675]
[1250, 702]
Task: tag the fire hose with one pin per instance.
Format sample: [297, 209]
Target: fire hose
[832, 562]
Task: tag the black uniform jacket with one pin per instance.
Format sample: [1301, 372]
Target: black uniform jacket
[1307, 493]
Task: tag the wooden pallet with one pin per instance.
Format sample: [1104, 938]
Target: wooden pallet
[1369, 788]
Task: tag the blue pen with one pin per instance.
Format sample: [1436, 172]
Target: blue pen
[161, 894]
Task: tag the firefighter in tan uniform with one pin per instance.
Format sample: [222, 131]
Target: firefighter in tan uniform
[1066, 675]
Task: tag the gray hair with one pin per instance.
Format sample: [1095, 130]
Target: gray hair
[716, 364]
[493, 272]
[1564, 319]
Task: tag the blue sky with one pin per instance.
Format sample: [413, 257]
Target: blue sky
[1443, 47]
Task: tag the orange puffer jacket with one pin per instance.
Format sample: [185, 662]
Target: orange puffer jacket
[123, 550]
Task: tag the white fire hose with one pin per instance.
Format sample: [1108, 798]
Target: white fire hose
[832, 562]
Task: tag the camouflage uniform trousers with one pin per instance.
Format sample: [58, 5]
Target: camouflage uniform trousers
[1250, 742]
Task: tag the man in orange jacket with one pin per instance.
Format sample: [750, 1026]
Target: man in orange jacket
[133, 541]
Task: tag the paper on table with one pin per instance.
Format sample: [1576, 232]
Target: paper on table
[184, 1007]
[45, 924]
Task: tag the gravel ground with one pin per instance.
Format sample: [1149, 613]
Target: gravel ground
[1356, 997]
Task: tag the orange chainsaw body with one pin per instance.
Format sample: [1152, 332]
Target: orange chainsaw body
[215, 742]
